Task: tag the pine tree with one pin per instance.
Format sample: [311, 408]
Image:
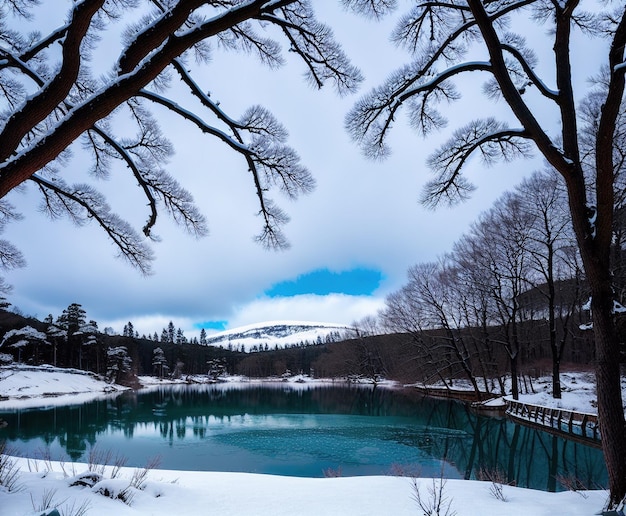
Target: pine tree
[129, 330]
[171, 332]
[159, 362]
[118, 364]
[71, 320]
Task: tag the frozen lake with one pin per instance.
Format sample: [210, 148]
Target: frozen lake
[302, 430]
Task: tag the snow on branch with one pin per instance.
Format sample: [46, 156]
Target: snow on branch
[314, 42]
[22, 336]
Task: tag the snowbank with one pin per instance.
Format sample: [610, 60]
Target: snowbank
[23, 386]
[179, 492]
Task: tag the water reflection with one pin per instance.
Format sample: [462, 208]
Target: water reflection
[303, 431]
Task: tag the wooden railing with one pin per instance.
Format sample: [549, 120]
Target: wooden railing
[577, 425]
[456, 394]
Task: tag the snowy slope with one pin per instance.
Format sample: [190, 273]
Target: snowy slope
[281, 334]
[28, 386]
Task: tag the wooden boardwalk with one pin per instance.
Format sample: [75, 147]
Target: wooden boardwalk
[576, 426]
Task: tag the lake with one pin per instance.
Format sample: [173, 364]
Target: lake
[302, 430]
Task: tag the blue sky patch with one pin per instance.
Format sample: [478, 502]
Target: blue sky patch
[212, 325]
[355, 282]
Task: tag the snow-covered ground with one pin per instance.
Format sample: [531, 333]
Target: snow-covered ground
[578, 391]
[225, 494]
[27, 386]
[40, 484]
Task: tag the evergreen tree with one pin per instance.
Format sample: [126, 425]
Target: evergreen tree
[129, 330]
[26, 341]
[159, 362]
[71, 320]
[216, 368]
[56, 336]
[203, 337]
[118, 364]
[86, 336]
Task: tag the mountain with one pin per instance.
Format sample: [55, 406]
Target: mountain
[280, 333]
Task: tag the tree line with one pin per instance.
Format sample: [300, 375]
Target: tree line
[73, 341]
[515, 279]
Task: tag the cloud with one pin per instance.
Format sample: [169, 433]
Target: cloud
[332, 308]
[361, 228]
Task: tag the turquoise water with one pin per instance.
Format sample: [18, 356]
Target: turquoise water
[302, 431]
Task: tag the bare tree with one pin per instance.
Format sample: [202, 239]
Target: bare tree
[429, 302]
[550, 239]
[502, 234]
[479, 305]
[440, 36]
[53, 101]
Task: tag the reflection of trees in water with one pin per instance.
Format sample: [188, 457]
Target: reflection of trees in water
[440, 428]
[518, 454]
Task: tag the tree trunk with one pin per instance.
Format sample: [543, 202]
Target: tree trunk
[610, 409]
[556, 377]
[514, 382]
[595, 254]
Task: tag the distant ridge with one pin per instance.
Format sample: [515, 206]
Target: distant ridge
[280, 334]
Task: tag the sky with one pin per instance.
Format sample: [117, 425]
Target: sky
[352, 240]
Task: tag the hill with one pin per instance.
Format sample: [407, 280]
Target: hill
[280, 334]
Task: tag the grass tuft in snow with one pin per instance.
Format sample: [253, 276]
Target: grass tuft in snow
[98, 461]
[574, 484]
[333, 472]
[47, 501]
[9, 470]
[497, 478]
[75, 509]
[140, 476]
[435, 502]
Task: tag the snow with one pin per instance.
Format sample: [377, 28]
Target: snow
[23, 386]
[277, 333]
[131, 491]
[578, 392]
[177, 492]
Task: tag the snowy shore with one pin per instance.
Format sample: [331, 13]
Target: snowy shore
[41, 484]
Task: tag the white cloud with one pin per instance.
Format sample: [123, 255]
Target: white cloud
[363, 214]
[333, 308]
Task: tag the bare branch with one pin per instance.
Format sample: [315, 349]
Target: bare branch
[488, 137]
[83, 203]
[315, 44]
[375, 8]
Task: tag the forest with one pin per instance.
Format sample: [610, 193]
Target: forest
[510, 300]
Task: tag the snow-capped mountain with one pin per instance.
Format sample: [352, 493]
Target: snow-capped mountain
[269, 335]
